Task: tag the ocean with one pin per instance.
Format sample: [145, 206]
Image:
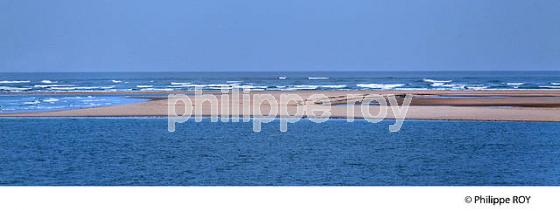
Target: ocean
[140, 151]
[28, 92]
[158, 81]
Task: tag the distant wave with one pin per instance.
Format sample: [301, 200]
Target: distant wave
[436, 81]
[13, 89]
[186, 85]
[144, 86]
[301, 87]
[333, 86]
[444, 86]
[379, 86]
[317, 78]
[156, 89]
[35, 102]
[81, 88]
[550, 87]
[249, 87]
[441, 84]
[219, 86]
[48, 82]
[437, 84]
[50, 85]
[50, 100]
[236, 86]
[410, 88]
[13, 82]
[477, 87]
[181, 83]
[447, 85]
[62, 88]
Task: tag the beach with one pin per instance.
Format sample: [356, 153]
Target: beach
[487, 105]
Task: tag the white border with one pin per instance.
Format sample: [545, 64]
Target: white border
[268, 198]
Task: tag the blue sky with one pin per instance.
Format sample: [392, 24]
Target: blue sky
[287, 35]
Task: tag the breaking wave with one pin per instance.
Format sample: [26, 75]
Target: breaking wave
[379, 86]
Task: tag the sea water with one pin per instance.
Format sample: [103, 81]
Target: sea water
[398, 80]
[140, 151]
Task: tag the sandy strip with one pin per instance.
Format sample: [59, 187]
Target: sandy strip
[502, 105]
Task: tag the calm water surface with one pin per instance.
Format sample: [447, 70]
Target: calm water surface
[140, 151]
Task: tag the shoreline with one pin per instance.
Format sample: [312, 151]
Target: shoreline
[204, 117]
[483, 105]
[555, 92]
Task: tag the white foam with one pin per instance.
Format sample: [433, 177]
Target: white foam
[317, 78]
[333, 86]
[13, 82]
[454, 86]
[188, 85]
[62, 88]
[379, 86]
[81, 88]
[515, 84]
[448, 86]
[156, 89]
[231, 85]
[50, 85]
[180, 83]
[550, 87]
[106, 87]
[13, 89]
[301, 87]
[437, 81]
[233, 82]
[218, 85]
[48, 82]
[221, 86]
[35, 102]
[282, 77]
[554, 83]
[144, 86]
[477, 87]
[277, 88]
[50, 100]
[116, 81]
[410, 88]
[109, 90]
[252, 87]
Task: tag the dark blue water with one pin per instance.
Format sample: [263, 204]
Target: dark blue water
[140, 151]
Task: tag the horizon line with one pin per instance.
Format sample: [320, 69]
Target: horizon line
[274, 71]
